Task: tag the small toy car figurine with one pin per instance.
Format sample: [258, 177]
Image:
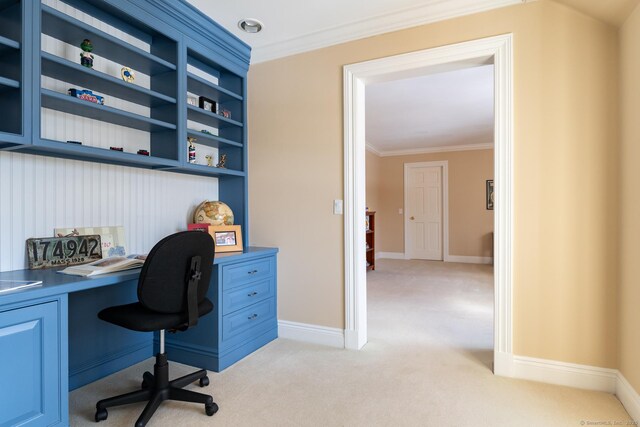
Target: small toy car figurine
[86, 95]
[116, 148]
[143, 152]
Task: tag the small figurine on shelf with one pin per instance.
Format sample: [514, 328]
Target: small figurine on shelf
[143, 152]
[116, 148]
[127, 74]
[223, 160]
[192, 149]
[209, 158]
[86, 58]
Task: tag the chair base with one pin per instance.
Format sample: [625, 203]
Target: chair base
[156, 388]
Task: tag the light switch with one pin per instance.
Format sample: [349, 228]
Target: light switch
[400, 211]
[337, 207]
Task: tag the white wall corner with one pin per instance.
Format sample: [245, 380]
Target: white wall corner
[628, 396]
[565, 374]
[314, 334]
[469, 259]
[390, 255]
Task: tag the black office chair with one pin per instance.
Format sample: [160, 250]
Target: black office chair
[171, 295]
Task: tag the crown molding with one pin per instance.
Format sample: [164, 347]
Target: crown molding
[428, 150]
[372, 149]
[405, 18]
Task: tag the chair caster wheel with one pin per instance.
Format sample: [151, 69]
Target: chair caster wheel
[204, 381]
[101, 415]
[211, 409]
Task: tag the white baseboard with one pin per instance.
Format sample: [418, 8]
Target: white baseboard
[503, 364]
[470, 259]
[628, 396]
[566, 374]
[314, 334]
[390, 255]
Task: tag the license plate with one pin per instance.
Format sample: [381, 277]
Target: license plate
[63, 251]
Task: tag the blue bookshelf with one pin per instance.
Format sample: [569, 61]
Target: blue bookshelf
[12, 36]
[7, 45]
[8, 84]
[70, 30]
[78, 76]
[67, 104]
[197, 84]
[212, 140]
[188, 54]
[87, 153]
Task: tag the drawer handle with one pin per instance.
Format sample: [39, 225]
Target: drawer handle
[253, 316]
[252, 294]
[252, 272]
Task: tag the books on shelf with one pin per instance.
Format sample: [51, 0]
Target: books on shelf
[106, 265]
[14, 285]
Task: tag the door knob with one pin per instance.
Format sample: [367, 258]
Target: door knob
[412, 218]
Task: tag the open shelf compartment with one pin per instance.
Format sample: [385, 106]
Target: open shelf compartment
[70, 30]
[85, 152]
[65, 70]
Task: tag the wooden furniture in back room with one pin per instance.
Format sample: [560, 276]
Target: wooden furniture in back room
[371, 240]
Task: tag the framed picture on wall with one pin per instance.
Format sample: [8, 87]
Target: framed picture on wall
[490, 194]
[226, 238]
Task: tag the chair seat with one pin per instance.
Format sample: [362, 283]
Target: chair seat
[137, 317]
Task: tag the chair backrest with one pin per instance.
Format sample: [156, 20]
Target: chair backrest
[162, 286]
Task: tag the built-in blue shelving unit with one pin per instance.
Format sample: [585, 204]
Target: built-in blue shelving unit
[181, 54]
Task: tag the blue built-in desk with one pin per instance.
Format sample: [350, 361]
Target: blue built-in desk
[51, 340]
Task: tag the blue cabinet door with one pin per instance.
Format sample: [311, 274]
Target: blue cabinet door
[29, 366]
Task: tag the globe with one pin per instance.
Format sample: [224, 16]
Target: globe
[213, 213]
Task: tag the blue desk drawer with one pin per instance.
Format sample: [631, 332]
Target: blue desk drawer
[245, 295]
[238, 274]
[240, 325]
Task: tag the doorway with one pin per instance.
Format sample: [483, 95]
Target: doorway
[493, 50]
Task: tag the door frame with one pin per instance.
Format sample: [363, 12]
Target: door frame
[444, 164]
[497, 50]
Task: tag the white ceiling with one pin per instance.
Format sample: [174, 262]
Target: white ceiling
[437, 112]
[445, 110]
[294, 26]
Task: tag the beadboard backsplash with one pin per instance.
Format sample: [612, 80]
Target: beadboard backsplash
[38, 194]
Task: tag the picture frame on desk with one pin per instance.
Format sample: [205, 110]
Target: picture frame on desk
[226, 238]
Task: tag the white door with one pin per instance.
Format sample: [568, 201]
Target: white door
[424, 212]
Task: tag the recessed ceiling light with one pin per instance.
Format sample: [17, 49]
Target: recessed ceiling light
[250, 25]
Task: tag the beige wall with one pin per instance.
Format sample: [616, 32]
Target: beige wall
[630, 201]
[470, 223]
[566, 117]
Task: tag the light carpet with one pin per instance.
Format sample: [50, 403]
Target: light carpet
[427, 363]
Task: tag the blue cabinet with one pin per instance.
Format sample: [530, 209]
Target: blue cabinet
[243, 290]
[31, 366]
